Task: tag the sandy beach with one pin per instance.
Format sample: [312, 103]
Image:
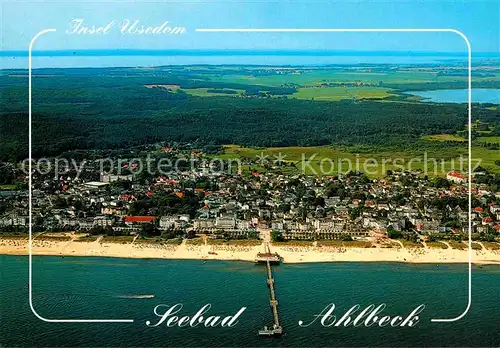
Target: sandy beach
[290, 253]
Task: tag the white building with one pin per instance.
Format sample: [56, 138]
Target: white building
[456, 177]
[228, 223]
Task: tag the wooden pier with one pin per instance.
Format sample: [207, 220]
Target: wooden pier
[268, 256]
[276, 329]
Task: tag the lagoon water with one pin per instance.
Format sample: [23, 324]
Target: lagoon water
[479, 95]
[85, 288]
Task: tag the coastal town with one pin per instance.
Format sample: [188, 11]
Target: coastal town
[216, 204]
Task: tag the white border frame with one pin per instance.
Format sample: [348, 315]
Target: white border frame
[276, 30]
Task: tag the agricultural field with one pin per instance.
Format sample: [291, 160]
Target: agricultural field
[340, 93]
[277, 76]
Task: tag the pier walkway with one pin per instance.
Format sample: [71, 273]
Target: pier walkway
[276, 329]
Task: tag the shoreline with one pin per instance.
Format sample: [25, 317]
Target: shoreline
[291, 253]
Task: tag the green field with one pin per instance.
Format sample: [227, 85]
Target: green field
[313, 76]
[339, 93]
[444, 137]
[487, 157]
[311, 93]
[326, 160]
[495, 140]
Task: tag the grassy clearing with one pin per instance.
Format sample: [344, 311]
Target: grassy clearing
[457, 245]
[156, 241]
[436, 245]
[7, 187]
[12, 236]
[340, 93]
[53, 238]
[174, 241]
[294, 243]
[488, 157]
[118, 239]
[389, 244]
[234, 242]
[209, 92]
[88, 239]
[491, 245]
[195, 241]
[476, 246]
[444, 137]
[494, 140]
[345, 244]
[329, 160]
[411, 245]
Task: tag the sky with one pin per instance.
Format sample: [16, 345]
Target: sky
[21, 20]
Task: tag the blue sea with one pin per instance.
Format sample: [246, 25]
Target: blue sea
[158, 57]
[479, 95]
[85, 288]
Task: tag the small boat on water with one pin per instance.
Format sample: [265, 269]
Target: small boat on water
[138, 296]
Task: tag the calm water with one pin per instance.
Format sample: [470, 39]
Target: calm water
[479, 95]
[90, 288]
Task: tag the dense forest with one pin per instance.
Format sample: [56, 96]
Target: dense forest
[105, 108]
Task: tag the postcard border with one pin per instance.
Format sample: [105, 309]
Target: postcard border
[265, 30]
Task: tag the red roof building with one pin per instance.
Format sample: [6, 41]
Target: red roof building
[487, 220]
[369, 204]
[456, 177]
[139, 219]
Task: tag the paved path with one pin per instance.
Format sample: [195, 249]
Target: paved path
[136, 236]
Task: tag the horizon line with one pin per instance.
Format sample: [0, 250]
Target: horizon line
[238, 52]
